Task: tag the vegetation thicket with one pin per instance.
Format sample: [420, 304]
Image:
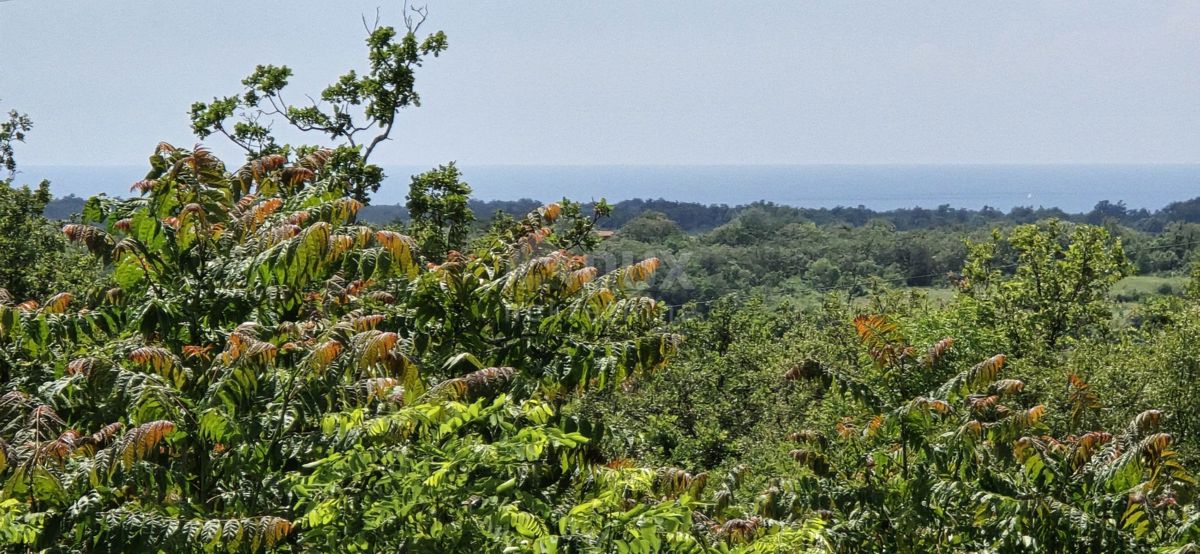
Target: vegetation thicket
[232, 361]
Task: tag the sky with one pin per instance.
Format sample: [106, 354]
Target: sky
[637, 82]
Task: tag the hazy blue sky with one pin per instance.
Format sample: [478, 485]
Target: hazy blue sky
[618, 82]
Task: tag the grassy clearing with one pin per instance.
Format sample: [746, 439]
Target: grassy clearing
[1140, 286]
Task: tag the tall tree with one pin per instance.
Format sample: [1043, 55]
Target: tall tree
[1058, 283]
[441, 217]
[358, 111]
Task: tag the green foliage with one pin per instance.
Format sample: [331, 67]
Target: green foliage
[437, 206]
[903, 441]
[719, 403]
[1059, 288]
[787, 253]
[35, 261]
[12, 130]
[262, 356]
[651, 227]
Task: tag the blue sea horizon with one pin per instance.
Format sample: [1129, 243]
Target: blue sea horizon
[1073, 188]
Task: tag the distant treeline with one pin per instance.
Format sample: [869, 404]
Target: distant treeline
[694, 217]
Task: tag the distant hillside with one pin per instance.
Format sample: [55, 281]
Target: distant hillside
[64, 208]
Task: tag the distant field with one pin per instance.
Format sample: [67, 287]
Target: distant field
[941, 295]
[1127, 289]
[1126, 292]
[1146, 285]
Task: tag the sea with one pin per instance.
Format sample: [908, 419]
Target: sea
[1073, 188]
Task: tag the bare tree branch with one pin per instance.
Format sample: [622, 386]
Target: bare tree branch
[414, 16]
[371, 27]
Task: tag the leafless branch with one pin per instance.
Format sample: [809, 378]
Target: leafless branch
[414, 16]
[373, 26]
[243, 145]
